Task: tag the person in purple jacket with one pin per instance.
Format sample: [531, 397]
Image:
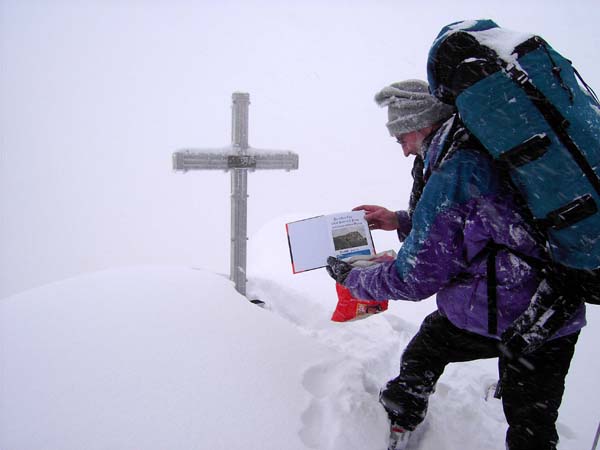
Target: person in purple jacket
[467, 241]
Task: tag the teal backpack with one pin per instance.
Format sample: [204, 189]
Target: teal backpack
[522, 100]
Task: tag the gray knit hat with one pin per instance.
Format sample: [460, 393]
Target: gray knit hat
[411, 107]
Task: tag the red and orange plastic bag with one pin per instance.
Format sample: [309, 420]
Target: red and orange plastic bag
[349, 308]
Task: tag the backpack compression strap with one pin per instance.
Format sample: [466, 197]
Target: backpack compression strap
[585, 205]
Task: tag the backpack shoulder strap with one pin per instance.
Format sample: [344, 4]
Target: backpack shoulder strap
[458, 137]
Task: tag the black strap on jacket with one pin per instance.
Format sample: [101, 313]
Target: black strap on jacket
[492, 294]
[492, 250]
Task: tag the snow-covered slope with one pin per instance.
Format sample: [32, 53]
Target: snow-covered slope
[168, 357]
[149, 358]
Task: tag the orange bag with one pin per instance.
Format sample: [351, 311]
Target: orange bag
[350, 308]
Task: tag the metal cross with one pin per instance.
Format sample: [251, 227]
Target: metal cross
[239, 158]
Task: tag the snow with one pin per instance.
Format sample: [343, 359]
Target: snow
[503, 41]
[156, 357]
[149, 358]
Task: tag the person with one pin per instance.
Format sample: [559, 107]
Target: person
[468, 241]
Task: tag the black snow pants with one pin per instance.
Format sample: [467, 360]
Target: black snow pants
[530, 398]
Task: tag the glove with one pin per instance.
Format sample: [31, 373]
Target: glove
[338, 269]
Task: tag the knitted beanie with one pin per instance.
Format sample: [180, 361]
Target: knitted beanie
[411, 107]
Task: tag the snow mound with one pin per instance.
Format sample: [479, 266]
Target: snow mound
[150, 358]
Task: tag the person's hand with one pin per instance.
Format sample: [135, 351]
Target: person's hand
[378, 217]
[338, 269]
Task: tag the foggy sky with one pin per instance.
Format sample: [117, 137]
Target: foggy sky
[96, 95]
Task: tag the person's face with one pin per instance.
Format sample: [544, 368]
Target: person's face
[411, 142]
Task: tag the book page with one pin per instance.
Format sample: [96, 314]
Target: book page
[310, 243]
[313, 240]
[350, 234]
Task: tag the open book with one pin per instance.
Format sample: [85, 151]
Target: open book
[343, 235]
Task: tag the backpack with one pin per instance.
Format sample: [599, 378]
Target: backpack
[522, 100]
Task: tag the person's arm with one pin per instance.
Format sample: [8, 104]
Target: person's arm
[433, 252]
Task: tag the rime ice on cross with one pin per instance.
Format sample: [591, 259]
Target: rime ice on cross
[239, 158]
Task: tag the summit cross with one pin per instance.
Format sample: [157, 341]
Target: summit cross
[239, 158]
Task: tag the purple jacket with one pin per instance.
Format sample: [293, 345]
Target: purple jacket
[466, 205]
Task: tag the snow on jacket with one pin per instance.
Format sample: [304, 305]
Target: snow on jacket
[466, 205]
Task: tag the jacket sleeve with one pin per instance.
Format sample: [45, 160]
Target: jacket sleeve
[434, 251]
[404, 225]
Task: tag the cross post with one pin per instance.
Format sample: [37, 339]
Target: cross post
[239, 158]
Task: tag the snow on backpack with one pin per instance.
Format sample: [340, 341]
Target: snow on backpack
[521, 99]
